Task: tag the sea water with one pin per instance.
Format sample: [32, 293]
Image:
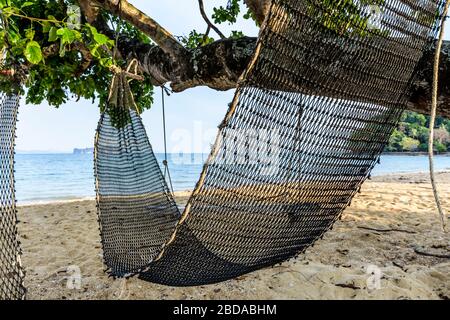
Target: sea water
[50, 177]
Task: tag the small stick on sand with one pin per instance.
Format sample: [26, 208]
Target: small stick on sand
[386, 230]
[422, 252]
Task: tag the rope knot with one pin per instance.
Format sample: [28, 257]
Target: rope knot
[120, 94]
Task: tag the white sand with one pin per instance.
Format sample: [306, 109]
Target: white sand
[58, 235]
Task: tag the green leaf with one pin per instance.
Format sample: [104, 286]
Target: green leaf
[8, 11]
[67, 35]
[62, 50]
[5, 3]
[101, 39]
[236, 34]
[52, 36]
[91, 28]
[2, 38]
[13, 36]
[33, 52]
[95, 51]
[74, 17]
[29, 34]
[46, 26]
[106, 62]
[26, 4]
[54, 20]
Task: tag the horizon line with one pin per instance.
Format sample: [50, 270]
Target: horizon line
[72, 151]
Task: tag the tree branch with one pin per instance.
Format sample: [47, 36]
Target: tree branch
[217, 65]
[208, 22]
[385, 230]
[89, 9]
[420, 97]
[421, 251]
[220, 64]
[126, 11]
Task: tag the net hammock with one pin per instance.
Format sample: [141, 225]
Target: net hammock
[11, 274]
[308, 122]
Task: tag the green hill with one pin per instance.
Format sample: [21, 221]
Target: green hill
[412, 134]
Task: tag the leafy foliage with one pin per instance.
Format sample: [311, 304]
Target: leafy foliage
[228, 13]
[347, 17]
[412, 134]
[195, 40]
[50, 38]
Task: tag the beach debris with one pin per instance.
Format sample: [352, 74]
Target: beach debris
[386, 230]
[421, 251]
[350, 284]
[399, 265]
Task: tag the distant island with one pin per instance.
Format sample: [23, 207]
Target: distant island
[83, 151]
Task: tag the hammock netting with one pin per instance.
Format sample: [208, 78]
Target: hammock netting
[11, 274]
[308, 122]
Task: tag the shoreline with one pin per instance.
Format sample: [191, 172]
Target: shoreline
[21, 204]
[383, 177]
[415, 153]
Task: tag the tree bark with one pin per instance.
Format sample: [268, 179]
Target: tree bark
[420, 92]
[126, 11]
[217, 65]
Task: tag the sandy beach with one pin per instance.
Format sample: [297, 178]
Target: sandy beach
[377, 251]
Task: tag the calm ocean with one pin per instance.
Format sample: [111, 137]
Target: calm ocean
[47, 177]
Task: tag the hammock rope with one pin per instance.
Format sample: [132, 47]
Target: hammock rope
[434, 97]
[164, 91]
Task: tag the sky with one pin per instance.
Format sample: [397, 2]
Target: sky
[191, 116]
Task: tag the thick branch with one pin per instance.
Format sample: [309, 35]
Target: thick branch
[217, 65]
[420, 93]
[137, 18]
[89, 9]
[220, 64]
